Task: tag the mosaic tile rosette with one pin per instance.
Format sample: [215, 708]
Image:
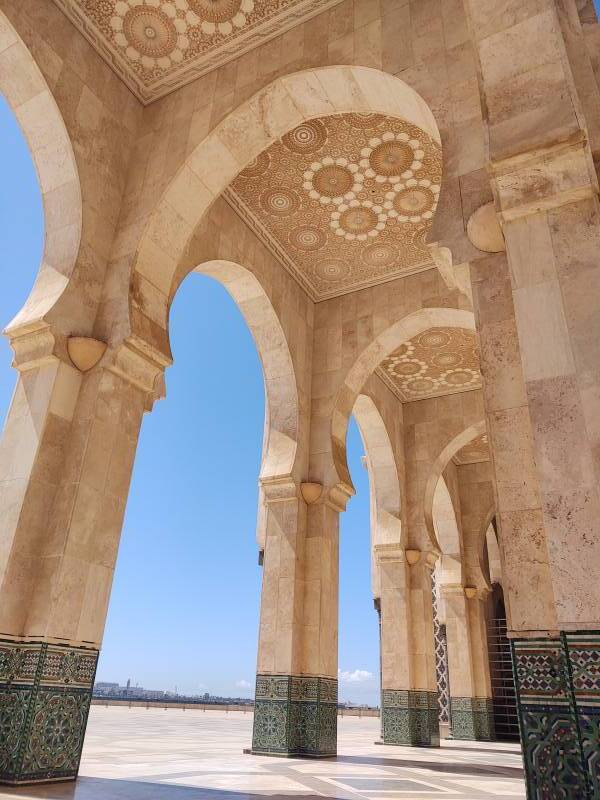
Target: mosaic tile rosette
[472, 718]
[295, 715]
[410, 717]
[348, 198]
[438, 361]
[45, 694]
[558, 696]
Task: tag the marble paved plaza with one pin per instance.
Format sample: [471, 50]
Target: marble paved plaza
[193, 755]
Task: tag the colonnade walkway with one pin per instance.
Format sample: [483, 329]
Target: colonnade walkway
[155, 754]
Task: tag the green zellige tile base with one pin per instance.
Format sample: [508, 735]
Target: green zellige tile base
[295, 716]
[45, 694]
[410, 717]
[472, 718]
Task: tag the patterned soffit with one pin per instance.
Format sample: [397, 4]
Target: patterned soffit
[157, 46]
[437, 362]
[474, 452]
[344, 201]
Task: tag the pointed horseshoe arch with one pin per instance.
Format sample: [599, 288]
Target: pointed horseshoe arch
[28, 94]
[228, 149]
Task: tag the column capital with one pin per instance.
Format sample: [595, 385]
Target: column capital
[541, 179]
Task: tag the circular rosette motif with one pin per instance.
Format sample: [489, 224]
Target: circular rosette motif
[333, 270]
[307, 237]
[357, 220]
[434, 339]
[219, 16]
[379, 255]
[279, 202]
[404, 369]
[367, 121]
[306, 138]
[257, 167]
[415, 202]
[391, 158]
[332, 181]
[460, 377]
[150, 32]
[421, 385]
[446, 360]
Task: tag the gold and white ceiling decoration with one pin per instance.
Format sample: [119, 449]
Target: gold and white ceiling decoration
[474, 452]
[346, 200]
[156, 46]
[437, 362]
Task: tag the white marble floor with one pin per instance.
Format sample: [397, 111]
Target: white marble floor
[153, 754]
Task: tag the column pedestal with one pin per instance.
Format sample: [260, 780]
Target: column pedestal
[558, 698]
[45, 695]
[410, 717]
[472, 718]
[295, 716]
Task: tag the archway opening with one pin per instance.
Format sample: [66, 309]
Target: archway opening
[187, 573]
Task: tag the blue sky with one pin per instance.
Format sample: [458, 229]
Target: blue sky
[185, 600]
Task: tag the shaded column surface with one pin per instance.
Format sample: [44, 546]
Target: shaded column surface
[539, 327]
[410, 711]
[295, 711]
[65, 460]
[471, 710]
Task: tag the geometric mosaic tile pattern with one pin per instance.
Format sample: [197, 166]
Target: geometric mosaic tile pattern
[441, 660]
[295, 715]
[558, 693]
[345, 201]
[410, 717]
[45, 693]
[437, 362]
[156, 46]
[472, 718]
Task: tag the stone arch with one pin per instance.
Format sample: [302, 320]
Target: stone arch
[369, 359]
[438, 467]
[28, 94]
[384, 480]
[280, 441]
[230, 147]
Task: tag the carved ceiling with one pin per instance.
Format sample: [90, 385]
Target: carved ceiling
[474, 452]
[437, 362]
[156, 46]
[344, 201]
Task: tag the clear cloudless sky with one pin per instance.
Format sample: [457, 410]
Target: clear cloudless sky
[185, 600]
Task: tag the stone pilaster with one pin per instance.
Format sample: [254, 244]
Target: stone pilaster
[45, 694]
[295, 716]
[558, 694]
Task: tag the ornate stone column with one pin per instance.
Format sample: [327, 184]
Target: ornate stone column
[295, 710]
[65, 461]
[540, 328]
[409, 709]
[471, 710]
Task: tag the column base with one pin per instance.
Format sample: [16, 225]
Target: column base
[295, 716]
[45, 695]
[558, 699]
[410, 717]
[472, 718]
